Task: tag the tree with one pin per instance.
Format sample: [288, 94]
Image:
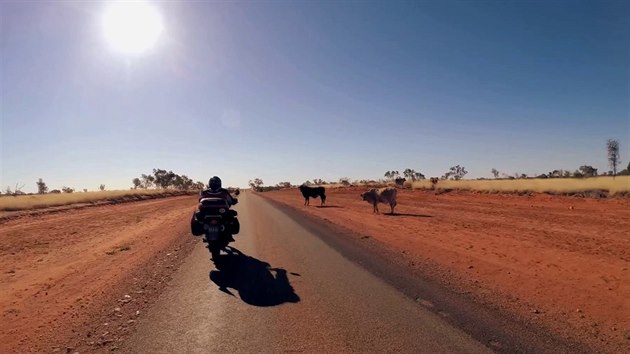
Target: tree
[16, 191]
[159, 175]
[587, 171]
[457, 172]
[318, 181]
[101, 187]
[256, 184]
[412, 175]
[67, 189]
[392, 174]
[559, 174]
[55, 191]
[177, 181]
[147, 181]
[136, 183]
[556, 173]
[612, 146]
[187, 183]
[42, 188]
[344, 181]
[164, 179]
[171, 179]
[495, 173]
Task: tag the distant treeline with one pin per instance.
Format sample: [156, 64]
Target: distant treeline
[166, 180]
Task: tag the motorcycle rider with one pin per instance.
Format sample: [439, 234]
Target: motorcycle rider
[214, 187]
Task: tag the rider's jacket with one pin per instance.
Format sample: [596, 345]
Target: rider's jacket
[223, 193]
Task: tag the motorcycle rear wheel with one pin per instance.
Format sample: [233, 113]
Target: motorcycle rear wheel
[215, 249]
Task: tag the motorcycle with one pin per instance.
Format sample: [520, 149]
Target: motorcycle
[216, 222]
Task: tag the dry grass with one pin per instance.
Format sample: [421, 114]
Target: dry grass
[620, 184]
[329, 185]
[26, 202]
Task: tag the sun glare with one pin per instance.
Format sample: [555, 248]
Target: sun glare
[132, 27]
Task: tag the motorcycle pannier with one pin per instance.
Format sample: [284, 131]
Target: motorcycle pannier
[235, 226]
[196, 228]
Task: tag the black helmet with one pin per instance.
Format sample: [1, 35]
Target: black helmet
[214, 183]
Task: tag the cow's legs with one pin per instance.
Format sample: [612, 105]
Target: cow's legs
[323, 199]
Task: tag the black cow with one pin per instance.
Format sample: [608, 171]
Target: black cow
[313, 192]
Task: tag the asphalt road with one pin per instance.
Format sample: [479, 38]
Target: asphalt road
[285, 290]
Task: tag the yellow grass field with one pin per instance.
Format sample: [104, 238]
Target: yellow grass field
[25, 202]
[619, 184]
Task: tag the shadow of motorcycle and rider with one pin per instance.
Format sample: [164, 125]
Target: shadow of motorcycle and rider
[255, 281]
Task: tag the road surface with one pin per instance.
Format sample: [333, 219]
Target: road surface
[287, 291]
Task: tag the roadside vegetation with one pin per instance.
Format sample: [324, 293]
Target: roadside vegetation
[585, 180]
[602, 184]
[39, 201]
[158, 184]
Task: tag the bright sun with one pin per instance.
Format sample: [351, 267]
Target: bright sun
[132, 27]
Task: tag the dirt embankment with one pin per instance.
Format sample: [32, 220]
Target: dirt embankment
[79, 280]
[558, 262]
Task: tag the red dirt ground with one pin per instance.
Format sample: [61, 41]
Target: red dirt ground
[558, 262]
[78, 280]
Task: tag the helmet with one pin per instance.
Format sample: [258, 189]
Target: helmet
[214, 183]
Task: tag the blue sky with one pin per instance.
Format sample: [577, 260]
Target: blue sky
[302, 90]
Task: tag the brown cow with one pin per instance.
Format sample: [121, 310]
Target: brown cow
[382, 195]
